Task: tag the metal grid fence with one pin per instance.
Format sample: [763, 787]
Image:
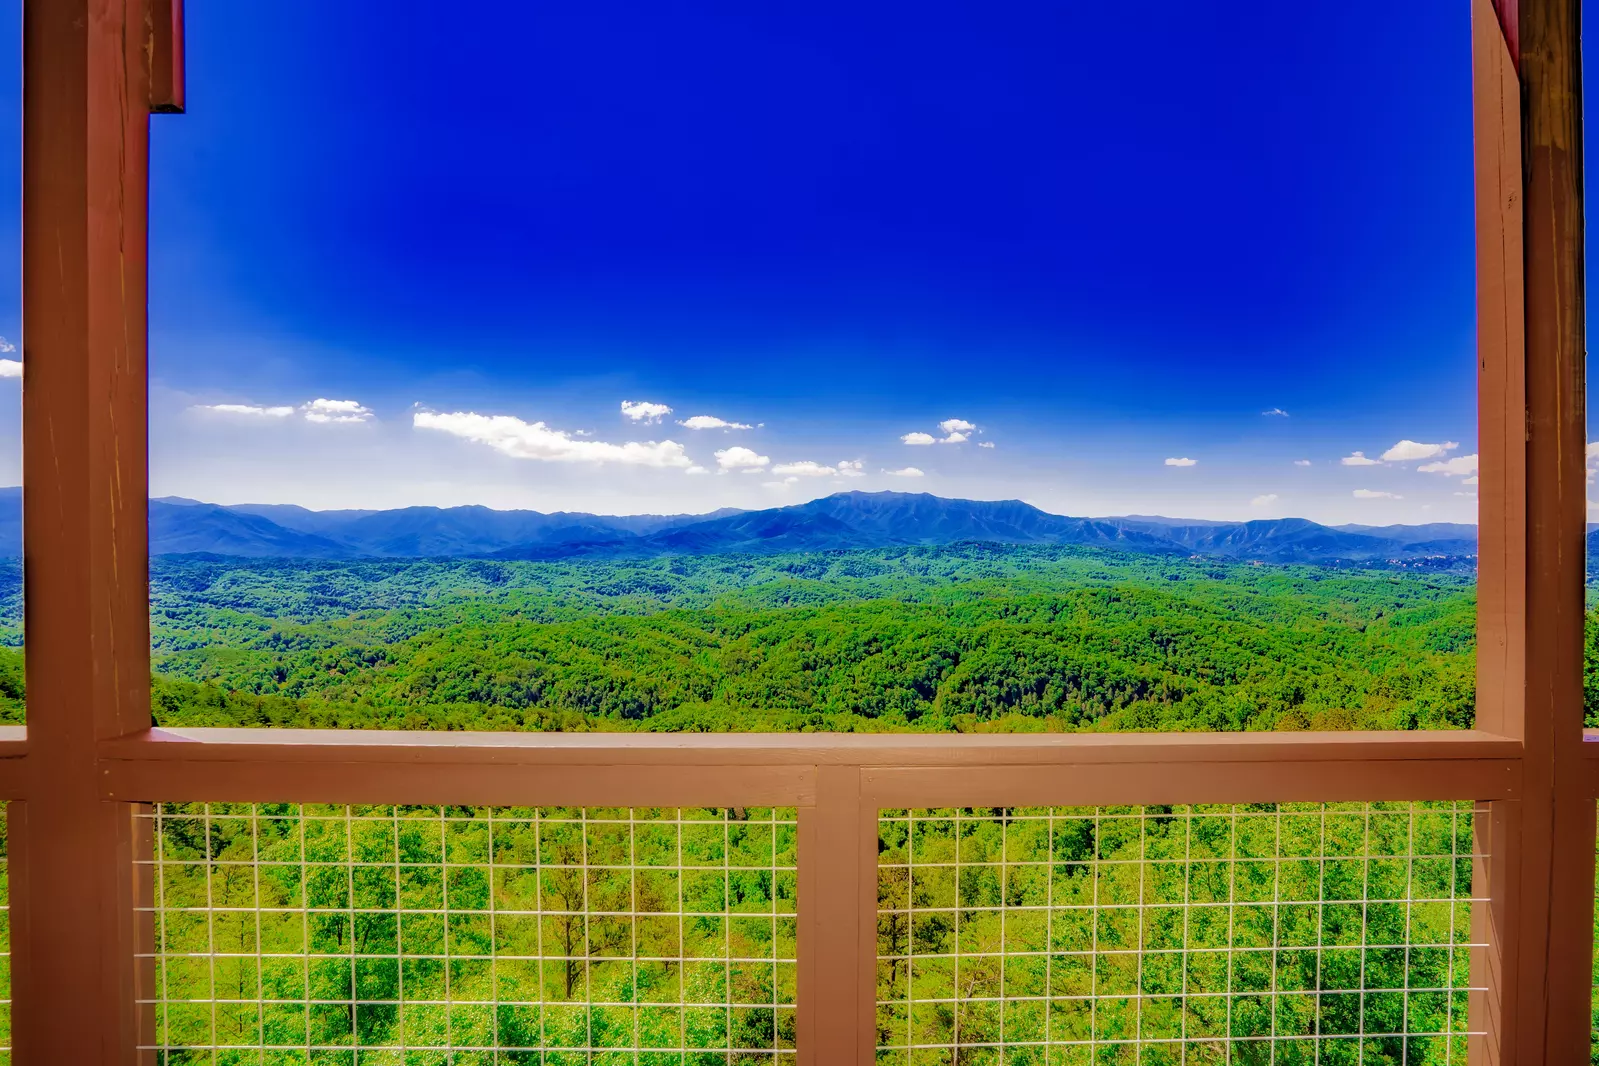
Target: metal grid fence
[425, 935]
[1277, 933]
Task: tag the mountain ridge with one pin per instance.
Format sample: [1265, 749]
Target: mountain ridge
[837, 522]
[844, 520]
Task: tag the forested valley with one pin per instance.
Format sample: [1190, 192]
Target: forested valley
[959, 638]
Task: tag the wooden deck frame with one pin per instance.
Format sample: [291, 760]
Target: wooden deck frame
[94, 70]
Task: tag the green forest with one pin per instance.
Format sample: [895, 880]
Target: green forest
[514, 935]
[1301, 933]
[270, 916]
[963, 638]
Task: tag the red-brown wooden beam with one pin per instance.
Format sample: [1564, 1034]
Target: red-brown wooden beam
[86, 87]
[1509, 22]
[166, 56]
[1557, 826]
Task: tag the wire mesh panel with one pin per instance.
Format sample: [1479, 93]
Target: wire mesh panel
[1280, 933]
[410, 935]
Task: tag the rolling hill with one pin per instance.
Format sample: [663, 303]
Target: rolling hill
[843, 521]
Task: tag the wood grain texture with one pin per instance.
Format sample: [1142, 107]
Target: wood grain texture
[1501, 383]
[1551, 863]
[1165, 783]
[1509, 25]
[164, 26]
[85, 169]
[294, 746]
[1571, 908]
[841, 919]
[1491, 1004]
[90, 78]
[687, 783]
[681, 784]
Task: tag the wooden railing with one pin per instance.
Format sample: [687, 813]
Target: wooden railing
[81, 778]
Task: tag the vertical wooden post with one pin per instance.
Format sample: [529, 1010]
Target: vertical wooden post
[1531, 339]
[85, 176]
[805, 970]
[843, 920]
[1571, 910]
[1501, 384]
[167, 83]
[1502, 521]
[1492, 1010]
[1551, 159]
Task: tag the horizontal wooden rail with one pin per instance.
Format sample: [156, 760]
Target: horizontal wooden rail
[14, 765]
[859, 749]
[453, 783]
[601, 769]
[1195, 782]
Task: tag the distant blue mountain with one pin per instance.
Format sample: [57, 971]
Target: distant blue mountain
[207, 527]
[841, 521]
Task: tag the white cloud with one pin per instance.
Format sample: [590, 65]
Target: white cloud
[535, 440]
[804, 468]
[737, 458]
[1275, 412]
[985, 444]
[1409, 451]
[909, 471]
[1184, 461]
[644, 411]
[1472, 480]
[320, 410]
[10, 368]
[1265, 500]
[955, 430]
[249, 409]
[1301, 462]
[1468, 495]
[696, 469]
[785, 483]
[706, 422]
[6, 346]
[1358, 459]
[1369, 494]
[1459, 466]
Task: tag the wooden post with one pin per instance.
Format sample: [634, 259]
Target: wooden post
[95, 69]
[1553, 859]
[85, 176]
[841, 917]
[167, 92]
[1501, 383]
[1571, 911]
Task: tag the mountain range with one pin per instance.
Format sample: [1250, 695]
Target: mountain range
[843, 520]
[840, 521]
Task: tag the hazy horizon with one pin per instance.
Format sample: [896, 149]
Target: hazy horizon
[177, 499]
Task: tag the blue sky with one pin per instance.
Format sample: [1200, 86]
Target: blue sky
[1068, 247]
